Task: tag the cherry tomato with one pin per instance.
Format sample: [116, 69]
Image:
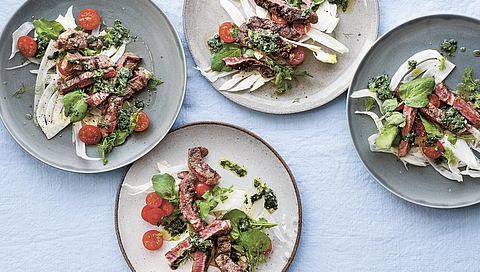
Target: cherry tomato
[167, 207]
[153, 200]
[90, 134]
[433, 98]
[142, 122]
[302, 28]
[88, 19]
[224, 30]
[278, 20]
[434, 151]
[201, 188]
[297, 56]
[269, 250]
[152, 239]
[64, 67]
[152, 215]
[27, 46]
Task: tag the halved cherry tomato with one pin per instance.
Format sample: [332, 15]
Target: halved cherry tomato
[297, 56]
[278, 20]
[167, 207]
[302, 28]
[90, 134]
[88, 19]
[152, 239]
[152, 215]
[142, 122]
[153, 200]
[269, 250]
[433, 98]
[201, 188]
[224, 31]
[434, 151]
[27, 46]
[64, 67]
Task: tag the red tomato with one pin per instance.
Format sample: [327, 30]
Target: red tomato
[278, 20]
[224, 32]
[152, 239]
[153, 200]
[297, 56]
[302, 28]
[142, 122]
[90, 135]
[27, 46]
[88, 19]
[269, 250]
[433, 151]
[167, 207]
[65, 67]
[433, 98]
[152, 215]
[201, 188]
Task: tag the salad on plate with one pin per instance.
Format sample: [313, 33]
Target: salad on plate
[85, 77]
[423, 121]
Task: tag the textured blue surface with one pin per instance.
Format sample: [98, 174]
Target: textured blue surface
[51, 220]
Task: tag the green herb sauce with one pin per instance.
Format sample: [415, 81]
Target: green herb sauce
[234, 167]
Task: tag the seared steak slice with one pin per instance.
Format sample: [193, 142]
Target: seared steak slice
[81, 80]
[89, 63]
[138, 81]
[200, 262]
[187, 201]
[464, 107]
[226, 264]
[264, 24]
[410, 115]
[217, 227]
[435, 115]
[131, 61]
[287, 12]
[200, 168]
[97, 98]
[72, 39]
[250, 64]
[110, 116]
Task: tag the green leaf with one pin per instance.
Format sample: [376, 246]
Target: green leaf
[49, 29]
[432, 128]
[164, 185]
[228, 50]
[415, 93]
[387, 135]
[75, 105]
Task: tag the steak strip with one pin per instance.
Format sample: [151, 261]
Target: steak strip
[434, 114]
[81, 80]
[250, 64]
[187, 201]
[200, 261]
[287, 12]
[410, 115]
[464, 107]
[200, 168]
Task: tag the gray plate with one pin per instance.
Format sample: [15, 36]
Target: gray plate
[357, 30]
[157, 43]
[223, 141]
[419, 185]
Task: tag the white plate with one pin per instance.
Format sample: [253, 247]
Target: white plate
[357, 29]
[162, 53]
[223, 141]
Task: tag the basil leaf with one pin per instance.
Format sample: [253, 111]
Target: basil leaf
[46, 28]
[164, 185]
[415, 93]
[228, 50]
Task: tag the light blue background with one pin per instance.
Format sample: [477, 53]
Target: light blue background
[51, 220]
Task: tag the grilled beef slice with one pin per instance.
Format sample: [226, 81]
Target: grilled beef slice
[200, 168]
[187, 201]
[287, 12]
[464, 107]
[72, 39]
[250, 64]
[410, 115]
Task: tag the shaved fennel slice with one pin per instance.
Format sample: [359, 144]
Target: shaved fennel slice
[235, 199]
[234, 80]
[327, 40]
[420, 69]
[440, 75]
[462, 152]
[119, 53]
[79, 145]
[42, 105]
[404, 67]
[327, 17]
[27, 62]
[317, 51]
[67, 21]
[212, 76]
[261, 12]
[22, 30]
[470, 172]
[45, 65]
[246, 83]
[55, 117]
[247, 8]
[444, 170]
[233, 12]
[164, 167]
[367, 93]
[260, 82]
[414, 157]
[372, 115]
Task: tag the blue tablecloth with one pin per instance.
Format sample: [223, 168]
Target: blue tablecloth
[52, 220]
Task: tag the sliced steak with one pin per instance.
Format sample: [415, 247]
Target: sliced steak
[97, 98]
[287, 12]
[138, 81]
[187, 201]
[81, 80]
[110, 116]
[131, 61]
[410, 115]
[464, 107]
[226, 264]
[89, 63]
[256, 23]
[217, 227]
[250, 64]
[435, 115]
[200, 168]
[72, 39]
[223, 244]
[200, 262]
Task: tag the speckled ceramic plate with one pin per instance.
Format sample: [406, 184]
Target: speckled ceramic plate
[223, 141]
[357, 29]
[157, 43]
[420, 185]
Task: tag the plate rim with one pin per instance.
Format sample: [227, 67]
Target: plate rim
[241, 129]
[382, 38]
[106, 168]
[284, 110]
